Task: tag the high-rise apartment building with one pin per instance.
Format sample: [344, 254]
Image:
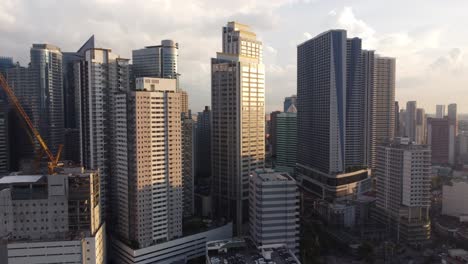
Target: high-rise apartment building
[286, 142]
[203, 144]
[238, 121]
[331, 116]
[453, 130]
[156, 61]
[148, 160]
[288, 101]
[438, 137]
[403, 172]
[440, 111]
[274, 209]
[72, 134]
[188, 160]
[397, 120]
[52, 218]
[421, 126]
[410, 124]
[99, 76]
[379, 79]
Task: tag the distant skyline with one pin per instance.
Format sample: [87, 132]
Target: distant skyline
[430, 44]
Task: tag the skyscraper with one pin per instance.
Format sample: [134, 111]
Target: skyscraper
[156, 61]
[94, 100]
[286, 142]
[453, 130]
[403, 174]
[148, 162]
[440, 111]
[410, 123]
[330, 115]
[39, 90]
[380, 112]
[238, 122]
[188, 159]
[438, 137]
[5, 63]
[397, 119]
[46, 64]
[421, 127]
[203, 144]
[288, 101]
[273, 133]
[72, 134]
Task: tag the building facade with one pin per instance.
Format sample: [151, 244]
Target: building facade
[148, 152]
[438, 137]
[157, 61]
[274, 209]
[203, 145]
[286, 142]
[331, 115]
[403, 174]
[98, 78]
[238, 122]
[52, 218]
[421, 127]
[410, 124]
[440, 111]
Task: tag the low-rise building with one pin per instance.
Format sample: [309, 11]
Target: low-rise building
[454, 199]
[274, 209]
[244, 251]
[52, 218]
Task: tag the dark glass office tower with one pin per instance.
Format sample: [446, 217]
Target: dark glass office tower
[331, 116]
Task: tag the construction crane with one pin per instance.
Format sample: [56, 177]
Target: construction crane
[53, 162]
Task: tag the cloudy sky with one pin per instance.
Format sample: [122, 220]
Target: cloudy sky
[429, 38]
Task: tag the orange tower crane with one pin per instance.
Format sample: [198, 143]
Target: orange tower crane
[53, 160]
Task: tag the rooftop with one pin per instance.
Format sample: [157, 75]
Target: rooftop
[20, 179]
[242, 251]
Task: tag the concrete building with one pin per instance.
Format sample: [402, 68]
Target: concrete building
[454, 197]
[440, 111]
[286, 142]
[438, 137]
[148, 163]
[410, 123]
[274, 209]
[379, 75]
[5, 64]
[94, 106]
[463, 147]
[179, 250]
[331, 116]
[238, 121]
[231, 251]
[397, 120]
[421, 127]
[453, 131]
[156, 61]
[188, 163]
[403, 174]
[203, 144]
[52, 218]
[288, 101]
